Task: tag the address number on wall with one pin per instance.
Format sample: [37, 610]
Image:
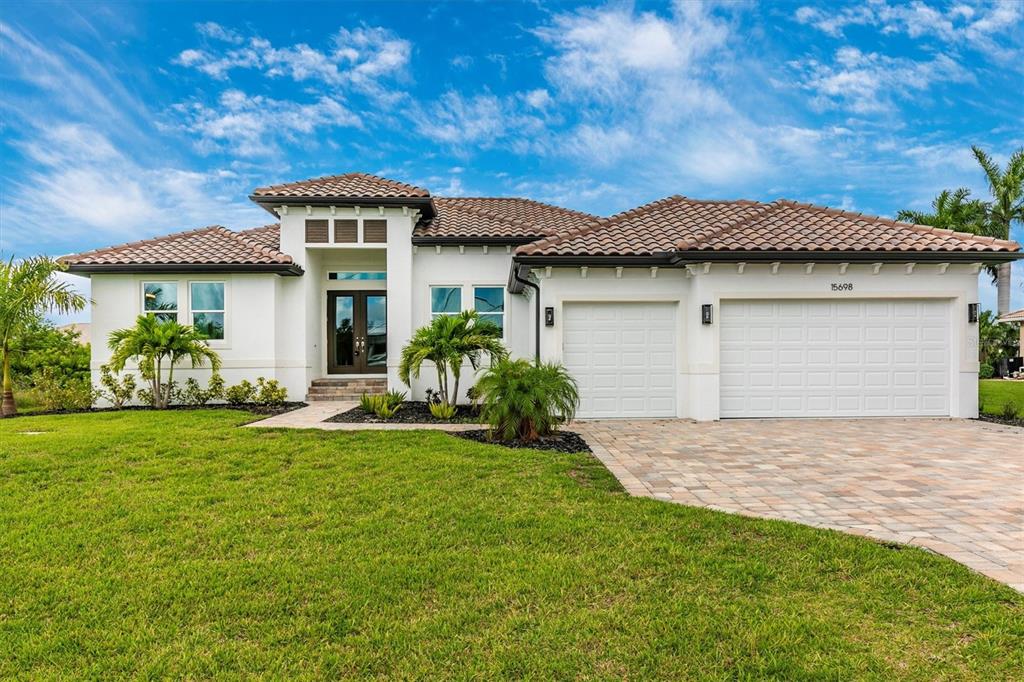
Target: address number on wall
[842, 286]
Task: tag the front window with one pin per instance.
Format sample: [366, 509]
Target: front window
[489, 302]
[445, 301]
[207, 305]
[160, 299]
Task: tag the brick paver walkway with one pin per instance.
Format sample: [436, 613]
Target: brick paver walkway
[953, 486]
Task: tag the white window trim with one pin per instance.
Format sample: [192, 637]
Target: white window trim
[504, 305]
[214, 343]
[177, 297]
[430, 299]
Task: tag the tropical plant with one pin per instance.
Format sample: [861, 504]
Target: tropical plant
[449, 341]
[40, 344]
[1007, 206]
[996, 341]
[154, 344]
[270, 392]
[951, 211]
[986, 371]
[384, 405]
[526, 400]
[58, 392]
[194, 394]
[241, 393]
[117, 391]
[441, 410]
[27, 289]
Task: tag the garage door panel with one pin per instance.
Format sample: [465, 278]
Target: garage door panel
[853, 358]
[623, 356]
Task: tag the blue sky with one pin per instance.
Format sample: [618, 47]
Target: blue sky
[124, 121]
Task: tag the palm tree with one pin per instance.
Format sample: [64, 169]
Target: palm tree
[448, 341]
[1007, 205]
[27, 289]
[152, 342]
[952, 211]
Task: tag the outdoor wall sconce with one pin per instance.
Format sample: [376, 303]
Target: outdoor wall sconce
[705, 314]
[972, 312]
[549, 317]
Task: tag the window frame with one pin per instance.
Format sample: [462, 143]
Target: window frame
[504, 304]
[430, 299]
[177, 302]
[192, 310]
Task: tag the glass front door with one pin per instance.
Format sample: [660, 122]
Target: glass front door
[357, 332]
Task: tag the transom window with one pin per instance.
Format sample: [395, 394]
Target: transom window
[207, 305]
[489, 302]
[445, 301]
[357, 276]
[160, 299]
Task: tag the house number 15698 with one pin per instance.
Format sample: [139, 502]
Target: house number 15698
[842, 286]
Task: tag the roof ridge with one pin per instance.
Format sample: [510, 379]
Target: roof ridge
[964, 236]
[764, 208]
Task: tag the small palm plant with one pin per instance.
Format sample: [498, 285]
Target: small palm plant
[28, 288]
[526, 400]
[449, 341]
[155, 343]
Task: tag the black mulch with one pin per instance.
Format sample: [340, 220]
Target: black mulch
[263, 410]
[411, 412]
[1001, 420]
[562, 441]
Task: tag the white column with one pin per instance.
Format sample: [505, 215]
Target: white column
[399, 264]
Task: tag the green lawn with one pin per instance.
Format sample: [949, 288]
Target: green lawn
[140, 544]
[993, 394]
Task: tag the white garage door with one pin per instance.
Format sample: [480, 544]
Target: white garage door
[834, 358]
[623, 355]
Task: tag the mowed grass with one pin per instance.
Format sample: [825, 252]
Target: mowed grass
[141, 544]
[994, 394]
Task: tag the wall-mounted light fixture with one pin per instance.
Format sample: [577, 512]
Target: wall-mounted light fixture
[705, 314]
[972, 312]
[549, 317]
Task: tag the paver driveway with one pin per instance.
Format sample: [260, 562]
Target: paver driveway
[952, 486]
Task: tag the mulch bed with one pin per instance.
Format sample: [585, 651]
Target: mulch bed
[411, 412]
[263, 410]
[1001, 420]
[562, 441]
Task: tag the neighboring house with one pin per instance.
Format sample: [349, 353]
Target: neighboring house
[1016, 317]
[81, 328]
[678, 308]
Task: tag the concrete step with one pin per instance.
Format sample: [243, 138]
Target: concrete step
[350, 382]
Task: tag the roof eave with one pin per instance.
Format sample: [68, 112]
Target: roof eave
[474, 241]
[283, 269]
[425, 204]
[698, 256]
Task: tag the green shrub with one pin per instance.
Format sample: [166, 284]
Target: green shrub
[1010, 410]
[241, 393]
[394, 398]
[526, 400]
[441, 410]
[368, 403]
[215, 387]
[194, 394]
[986, 371]
[270, 392]
[39, 345]
[384, 409]
[116, 391]
[59, 392]
[384, 405]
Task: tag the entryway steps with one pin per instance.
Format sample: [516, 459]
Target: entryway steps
[344, 389]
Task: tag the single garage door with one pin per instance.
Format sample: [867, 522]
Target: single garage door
[834, 358]
[623, 356]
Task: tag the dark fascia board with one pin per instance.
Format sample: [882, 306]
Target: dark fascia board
[684, 257]
[283, 269]
[425, 204]
[473, 241]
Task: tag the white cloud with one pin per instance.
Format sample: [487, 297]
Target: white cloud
[867, 83]
[211, 29]
[253, 125]
[483, 120]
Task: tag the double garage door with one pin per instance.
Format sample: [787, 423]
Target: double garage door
[777, 358]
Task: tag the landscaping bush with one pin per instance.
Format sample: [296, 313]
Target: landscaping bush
[986, 371]
[194, 394]
[58, 392]
[39, 344]
[270, 392]
[526, 400]
[385, 405]
[1010, 410]
[116, 391]
[241, 393]
[441, 410]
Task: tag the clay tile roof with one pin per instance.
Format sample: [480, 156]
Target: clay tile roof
[350, 185]
[214, 245]
[680, 224]
[1014, 316]
[497, 218]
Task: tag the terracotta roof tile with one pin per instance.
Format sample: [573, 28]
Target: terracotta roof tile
[680, 224]
[496, 218]
[361, 185]
[207, 245]
[1013, 316]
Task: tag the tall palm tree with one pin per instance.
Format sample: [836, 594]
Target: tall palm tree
[952, 211]
[152, 342]
[1007, 205]
[27, 289]
[448, 341]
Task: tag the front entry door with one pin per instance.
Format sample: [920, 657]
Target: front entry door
[357, 332]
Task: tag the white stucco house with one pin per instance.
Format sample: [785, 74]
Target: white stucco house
[678, 308]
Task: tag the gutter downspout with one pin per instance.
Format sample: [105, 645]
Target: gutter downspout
[536, 307]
